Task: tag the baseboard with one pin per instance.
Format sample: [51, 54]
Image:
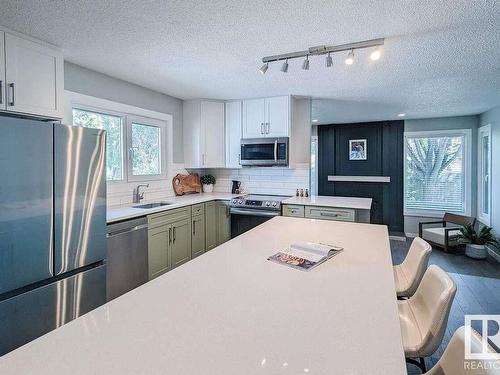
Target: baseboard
[493, 254]
[411, 235]
[397, 238]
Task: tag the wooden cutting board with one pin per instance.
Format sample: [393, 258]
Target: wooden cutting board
[186, 184]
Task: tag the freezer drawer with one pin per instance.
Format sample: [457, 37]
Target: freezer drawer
[25, 202]
[80, 197]
[27, 316]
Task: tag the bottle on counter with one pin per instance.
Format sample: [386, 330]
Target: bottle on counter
[301, 193]
[297, 193]
[307, 192]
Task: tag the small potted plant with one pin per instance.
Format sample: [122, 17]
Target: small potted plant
[208, 182]
[476, 242]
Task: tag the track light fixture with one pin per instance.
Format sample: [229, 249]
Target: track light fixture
[263, 68]
[325, 50]
[329, 61]
[305, 64]
[284, 67]
[350, 58]
[375, 55]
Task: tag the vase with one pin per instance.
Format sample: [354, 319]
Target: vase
[208, 188]
[476, 251]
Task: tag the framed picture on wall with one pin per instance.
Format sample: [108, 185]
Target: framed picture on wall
[357, 149]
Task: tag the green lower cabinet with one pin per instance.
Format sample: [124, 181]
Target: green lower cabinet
[180, 248]
[223, 222]
[198, 236]
[158, 246]
[210, 226]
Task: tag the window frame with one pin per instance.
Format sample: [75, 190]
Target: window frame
[133, 119]
[102, 111]
[467, 166]
[483, 131]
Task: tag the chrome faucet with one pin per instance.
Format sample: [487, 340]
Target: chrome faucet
[137, 195]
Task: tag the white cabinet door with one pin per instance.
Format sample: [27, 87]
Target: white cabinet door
[34, 75]
[277, 116]
[254, 118]
[212, 123]
[3, 99]
[233, 133]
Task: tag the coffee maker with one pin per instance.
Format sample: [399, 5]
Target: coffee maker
[236, 187]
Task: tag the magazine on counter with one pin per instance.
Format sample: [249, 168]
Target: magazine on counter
[305, 255]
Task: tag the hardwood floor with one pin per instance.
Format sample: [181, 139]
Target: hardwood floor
[478, 290]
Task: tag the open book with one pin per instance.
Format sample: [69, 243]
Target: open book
[305, 255]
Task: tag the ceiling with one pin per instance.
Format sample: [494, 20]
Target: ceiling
[441, 58]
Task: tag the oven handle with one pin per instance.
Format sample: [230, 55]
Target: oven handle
[239, 211]
[276, 150]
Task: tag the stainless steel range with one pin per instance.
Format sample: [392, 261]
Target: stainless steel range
[249, 211]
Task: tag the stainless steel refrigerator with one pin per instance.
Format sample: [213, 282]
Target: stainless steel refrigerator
[52, 227]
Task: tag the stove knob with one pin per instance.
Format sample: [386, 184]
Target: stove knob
[274, 204]
[268, 204]
[234, 201]
[240, 201]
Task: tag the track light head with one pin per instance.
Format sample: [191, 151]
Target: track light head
[329, 61]
[305, 64]
[350, 58]
[376, 53]
[263, 68]
[284, 67]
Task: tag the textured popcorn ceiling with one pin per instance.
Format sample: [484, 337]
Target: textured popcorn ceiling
[441, 57]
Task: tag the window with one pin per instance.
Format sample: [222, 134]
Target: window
[114, 138]
[141, 144]
[437, 172]
[484, 174]
[145, 147]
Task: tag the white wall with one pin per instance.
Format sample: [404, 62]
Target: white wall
[274, 181]
[446, 123]
[493, 117]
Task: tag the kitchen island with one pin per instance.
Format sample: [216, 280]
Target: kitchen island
[230, 311]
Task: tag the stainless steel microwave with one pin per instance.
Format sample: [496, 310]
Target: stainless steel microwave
[264, 152]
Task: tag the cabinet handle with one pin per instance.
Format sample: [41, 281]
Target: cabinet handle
[169, 235]
[194, 227]
[174, 236]
[202, 159]
[262, 128]
[1, 92]
[13, 100]
[268, 127]
[239, 159]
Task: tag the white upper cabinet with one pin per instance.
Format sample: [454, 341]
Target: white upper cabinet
[33, 74]
[203, 134]
[3, 100]
[212, 124]
[254, 118]
[233, 133]
[266, 117]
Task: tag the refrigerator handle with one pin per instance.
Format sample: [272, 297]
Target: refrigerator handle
[1, 92]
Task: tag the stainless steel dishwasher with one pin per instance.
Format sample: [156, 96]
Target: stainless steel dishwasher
[127, 260]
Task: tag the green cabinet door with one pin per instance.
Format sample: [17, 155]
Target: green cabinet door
[223, 222]
[158, 244]
[198, 236]
[210, 226]
[180, 248]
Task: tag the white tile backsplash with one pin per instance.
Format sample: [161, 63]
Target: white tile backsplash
[121, 192]
[275, 181]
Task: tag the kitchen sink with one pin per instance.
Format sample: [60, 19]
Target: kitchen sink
[152, 205]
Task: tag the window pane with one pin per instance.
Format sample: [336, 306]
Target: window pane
[485, 170]
[435, 173]
[145, 150]
[113, 127]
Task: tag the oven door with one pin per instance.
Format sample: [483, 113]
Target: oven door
[264, 152]
[243, 219]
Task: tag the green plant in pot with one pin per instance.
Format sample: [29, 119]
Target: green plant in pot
[208, 182]
[476, 242]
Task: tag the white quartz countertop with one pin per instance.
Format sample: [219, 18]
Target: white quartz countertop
[117, 213]
[327, 201]
[230, 311]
